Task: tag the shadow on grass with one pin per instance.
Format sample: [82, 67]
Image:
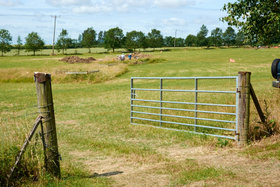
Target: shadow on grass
[93, 176]
[108, 174]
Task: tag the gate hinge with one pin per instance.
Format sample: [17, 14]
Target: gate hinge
[237, 91]
[236, 133]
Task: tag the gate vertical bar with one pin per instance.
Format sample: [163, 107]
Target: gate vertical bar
[195, 100]
[131, 101]
[161, 82]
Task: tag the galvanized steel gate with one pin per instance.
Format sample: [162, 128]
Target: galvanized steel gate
[214, 127]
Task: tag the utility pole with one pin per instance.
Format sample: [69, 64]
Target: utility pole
[175, 38]
[54, 33]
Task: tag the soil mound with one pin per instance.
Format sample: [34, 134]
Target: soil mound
[76, 59]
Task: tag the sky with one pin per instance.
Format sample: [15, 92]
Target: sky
[184, 17]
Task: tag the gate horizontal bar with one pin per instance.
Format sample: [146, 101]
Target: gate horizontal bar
[187, 103]
[185, 124]
[197, 91]
[186, 110]
[184, 117]
[184, 78]
[193, 132]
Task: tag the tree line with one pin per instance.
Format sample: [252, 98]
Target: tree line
[114, 38]
[257, 21]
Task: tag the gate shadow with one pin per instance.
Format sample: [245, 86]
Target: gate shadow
[107, 174]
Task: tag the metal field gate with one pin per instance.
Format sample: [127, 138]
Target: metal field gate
[201, 105]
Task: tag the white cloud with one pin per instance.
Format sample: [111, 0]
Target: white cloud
[96, 6]
[111, 5]
[9, 2]
[173, 3]
[174, 21]
[92, 9]
[68, 2]
[131, 3]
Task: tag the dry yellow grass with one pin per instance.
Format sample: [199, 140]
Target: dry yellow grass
[105, 72]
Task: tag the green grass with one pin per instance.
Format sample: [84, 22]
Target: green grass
[264, 151]
[189, 171]
[93, 119]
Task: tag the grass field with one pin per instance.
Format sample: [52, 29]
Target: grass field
[98, 145]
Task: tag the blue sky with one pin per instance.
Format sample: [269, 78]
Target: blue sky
[21, 17]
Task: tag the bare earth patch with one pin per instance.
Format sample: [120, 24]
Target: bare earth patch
[123, 171]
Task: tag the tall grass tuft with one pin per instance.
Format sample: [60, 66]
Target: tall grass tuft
[31, 164]
[269, 127]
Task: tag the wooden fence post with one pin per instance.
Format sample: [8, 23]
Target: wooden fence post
[243, 107]
[46, 110]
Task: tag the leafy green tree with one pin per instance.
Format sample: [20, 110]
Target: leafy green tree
[88, 38]
[202, 39]
[191, 40]
[216, 37]
[258, 19]
[239, 40]
[33, 42]
[5, 41]
[19, 44]
[155, 39]
[100, 39]
[168, 41]
[63, 42]
[114, 38]
[229, 36]
[79, 41]
[134, 40]
[180, 42]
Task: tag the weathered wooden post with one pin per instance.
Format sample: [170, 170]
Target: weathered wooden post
[243, 107]
[46, 110]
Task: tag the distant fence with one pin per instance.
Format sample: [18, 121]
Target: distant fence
[181, 112]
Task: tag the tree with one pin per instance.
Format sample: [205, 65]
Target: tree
[180, 42]
[5, 41]
[229, 36]
[258, 19]
[33, 42]
[134, 39]
[88, 38]
[19, 44]
[79, 41]
[168, 41]
[155, 39]
[100, 40]
[201, 36]
[63, 41]
[113, 38]
[239, 40]
[191, 40]
[216, 37]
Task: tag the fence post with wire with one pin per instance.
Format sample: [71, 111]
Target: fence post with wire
[46, 110]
